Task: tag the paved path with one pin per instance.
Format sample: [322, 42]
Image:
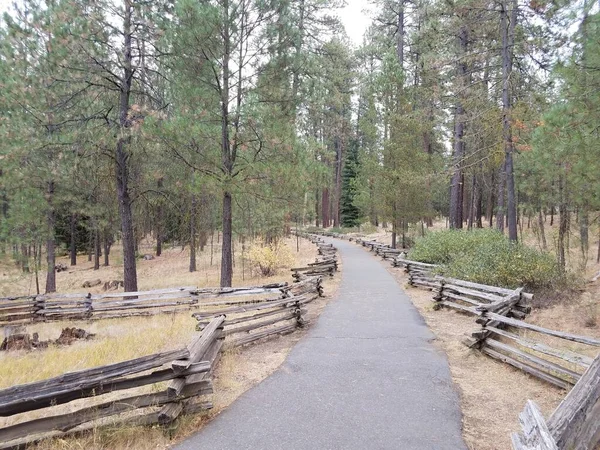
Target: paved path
[366, 376]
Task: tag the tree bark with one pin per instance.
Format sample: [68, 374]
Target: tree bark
[122, 158]
[542, 231]
[50, 242]
[317, 211]
[563, 225]
[96, 248]
[584, 235]
[325, 208]
[226, 254]
[193, 234]
[456, 188]
[73, 245]
[159, 220]
[400, 35]
[338, 181]
[107, 244]
[500, 199]
[228, 158]
[508, 29]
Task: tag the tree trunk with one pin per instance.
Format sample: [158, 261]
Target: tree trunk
[228, 157]
[562, 226]
[107, 244]
[226, 255]
[96, 249]
[122, 157]
[50, 242]
[159, 220]
[490, 202]
[317, 211]
[542, 231]
[456, 187]
[472, 206]
[584, 235]
[193, 234]
[479, 204]
[325, 208]
[508, 29]
[37, 253]
[338, 181]
[73, 245]
[400, 35]
[500, 199]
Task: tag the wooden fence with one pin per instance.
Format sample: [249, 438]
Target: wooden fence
[228, 322]
[257, 319]
[236, 316]
[249, 321]
[574, 425]
[499, 311]
[18, 310]
[326, 263]
[188, 371]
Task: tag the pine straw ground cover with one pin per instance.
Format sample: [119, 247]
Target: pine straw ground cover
[121, 339]
[493, 394]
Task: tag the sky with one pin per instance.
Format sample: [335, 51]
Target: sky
[354, 19]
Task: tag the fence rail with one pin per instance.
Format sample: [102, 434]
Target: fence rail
[19, 310]
[188, 371]
[575, 424]
[237, 316]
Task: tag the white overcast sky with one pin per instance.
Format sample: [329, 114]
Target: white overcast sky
[354, 18]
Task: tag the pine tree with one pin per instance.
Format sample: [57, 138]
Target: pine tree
[350, 213]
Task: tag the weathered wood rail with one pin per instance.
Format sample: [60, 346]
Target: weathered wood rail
[188, 371]
[574, 424]
[18, 310]
[251, 321]
[132, 392]
[326, 263]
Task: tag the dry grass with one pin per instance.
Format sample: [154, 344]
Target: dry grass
[120, 339]
[116, 340]
[171, 269]
[492, 393]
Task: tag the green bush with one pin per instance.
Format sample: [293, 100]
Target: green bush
[487, 256]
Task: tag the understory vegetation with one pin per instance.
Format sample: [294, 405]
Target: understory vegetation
[487, 256]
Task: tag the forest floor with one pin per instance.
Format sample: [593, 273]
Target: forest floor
[171, 269]
[126, 338]
[493, 394]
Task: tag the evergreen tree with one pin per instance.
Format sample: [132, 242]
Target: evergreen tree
[350, 212]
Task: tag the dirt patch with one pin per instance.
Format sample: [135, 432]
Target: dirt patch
[72, 334]
[492, 394]
[26, 341]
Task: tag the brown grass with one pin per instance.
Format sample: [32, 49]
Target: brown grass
[126, 338]
[171, 269]
[492, 393]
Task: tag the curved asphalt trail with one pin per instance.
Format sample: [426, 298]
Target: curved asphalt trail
[366, 376]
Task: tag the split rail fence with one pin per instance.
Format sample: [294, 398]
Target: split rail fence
[131, 392]
[19, 310]
[553, 356]
[188, 371]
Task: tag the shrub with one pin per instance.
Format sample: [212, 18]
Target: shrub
[268, 259]
[488, 257]
[368, 228]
